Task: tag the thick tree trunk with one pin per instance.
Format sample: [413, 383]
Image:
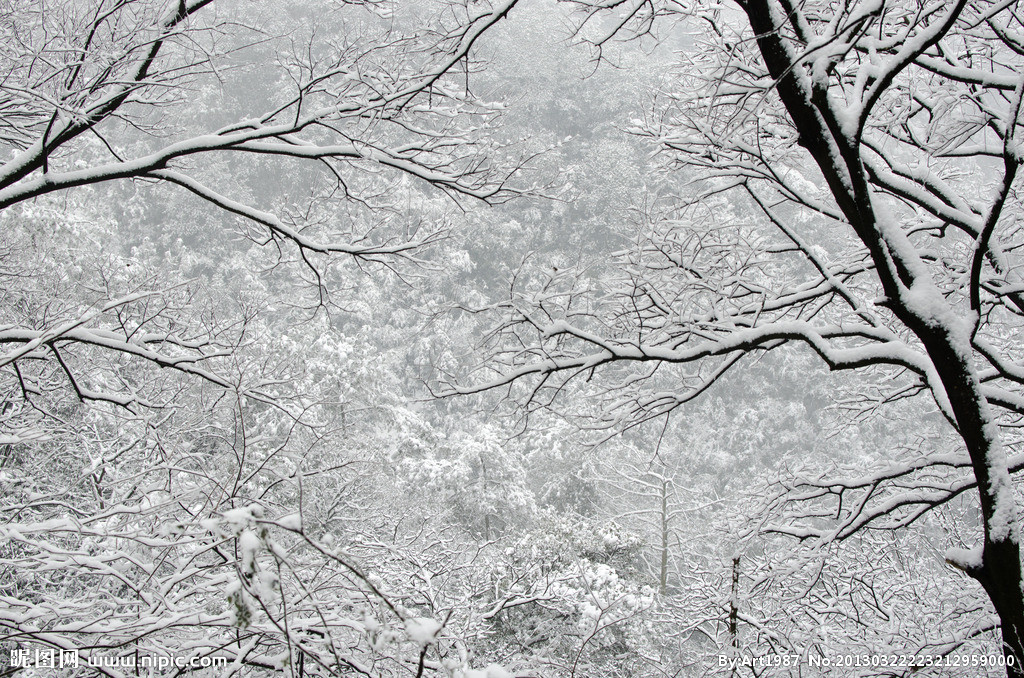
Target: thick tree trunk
[1000, 569]
[1001, 578]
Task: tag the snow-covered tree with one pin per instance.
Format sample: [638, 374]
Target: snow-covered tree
[167, 400]
[157, 92]
[856, 193]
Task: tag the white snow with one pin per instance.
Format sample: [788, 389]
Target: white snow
[292, 521]
[423, 630]
[492, 671]
[248, 544]
[964, 559]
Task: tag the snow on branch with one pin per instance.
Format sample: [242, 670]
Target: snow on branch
[344, 114]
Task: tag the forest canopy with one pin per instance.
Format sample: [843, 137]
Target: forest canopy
[522, 338]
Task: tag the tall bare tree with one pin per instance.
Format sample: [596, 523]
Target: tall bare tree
[856, 170]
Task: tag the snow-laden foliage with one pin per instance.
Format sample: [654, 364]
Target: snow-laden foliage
[244, 246]
[837, 177]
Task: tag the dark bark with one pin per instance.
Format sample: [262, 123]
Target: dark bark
[838, 157]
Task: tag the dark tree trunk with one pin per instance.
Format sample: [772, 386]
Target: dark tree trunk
[837, 152]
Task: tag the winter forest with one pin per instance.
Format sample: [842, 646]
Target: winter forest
[511, 338]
